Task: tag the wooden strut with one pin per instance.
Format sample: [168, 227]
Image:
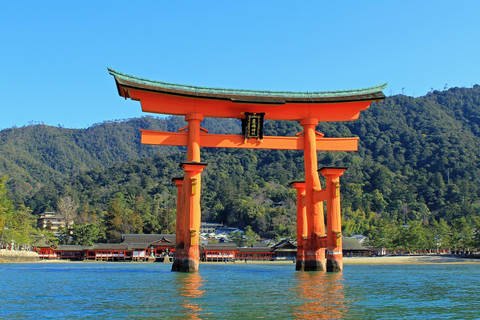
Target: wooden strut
[238, 141]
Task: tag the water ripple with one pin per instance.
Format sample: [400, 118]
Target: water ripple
[237, 291]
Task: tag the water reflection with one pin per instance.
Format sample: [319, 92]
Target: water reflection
[189, 289]
[322, 295]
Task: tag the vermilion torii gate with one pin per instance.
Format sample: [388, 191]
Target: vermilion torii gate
[252, 107]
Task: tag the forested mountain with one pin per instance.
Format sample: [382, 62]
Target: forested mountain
[37, 154]
[418, 163]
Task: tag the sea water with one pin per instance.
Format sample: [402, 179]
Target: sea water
[237, 291]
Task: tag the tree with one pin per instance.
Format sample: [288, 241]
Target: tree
[476, 234]
[64, 235]
[442, 233]
[120, 218]
[114, 217]
[87, 216]
[6, 208]
[462, 233]
[86, 234]
[16, 224]
[237, 238]
[250, 236]
[67, 208]
[385, 234]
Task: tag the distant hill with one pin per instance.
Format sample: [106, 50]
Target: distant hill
[418, 159]
[35, 154]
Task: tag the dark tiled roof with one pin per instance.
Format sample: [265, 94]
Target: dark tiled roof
[352, 244]
[252, 96]
[109, 246]
[148, 238]
[255, 249]
[284, 245]
[259, 245]
[220, 246]
[70, 248]
[42, 242]
[133, 246]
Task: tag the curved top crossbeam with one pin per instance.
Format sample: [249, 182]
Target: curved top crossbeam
[177, 99]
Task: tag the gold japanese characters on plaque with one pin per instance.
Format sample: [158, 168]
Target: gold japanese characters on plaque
[252, 125]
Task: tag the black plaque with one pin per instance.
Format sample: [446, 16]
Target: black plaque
[252, 125]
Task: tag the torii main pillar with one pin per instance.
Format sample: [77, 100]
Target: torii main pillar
[314, 253]
[187, 255]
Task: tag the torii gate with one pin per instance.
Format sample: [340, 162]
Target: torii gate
[252, 107]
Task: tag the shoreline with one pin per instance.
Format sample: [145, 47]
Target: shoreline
[8, 256]
[410, 259]
[380, 260]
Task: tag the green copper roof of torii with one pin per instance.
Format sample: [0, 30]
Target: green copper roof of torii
[371, 93]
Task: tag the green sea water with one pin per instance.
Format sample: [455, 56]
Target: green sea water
[237, 291]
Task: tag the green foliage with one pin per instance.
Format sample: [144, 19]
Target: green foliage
[247, 239]
[38, 154]
[86, 234]
[418, 162]
[47, 236]
[237, 238]
[16, 224]
[121, 218]
[250, 236]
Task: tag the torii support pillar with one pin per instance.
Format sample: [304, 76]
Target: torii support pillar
[180, 225]
[187, 257]
[334, 219]
[301, 224]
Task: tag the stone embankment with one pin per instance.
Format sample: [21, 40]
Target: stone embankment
[17, 256]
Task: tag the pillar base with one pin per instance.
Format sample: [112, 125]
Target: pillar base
[314, 265]
[334, 265]
[185, 265]
[300, 265]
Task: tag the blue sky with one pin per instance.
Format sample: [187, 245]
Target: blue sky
[54, 54]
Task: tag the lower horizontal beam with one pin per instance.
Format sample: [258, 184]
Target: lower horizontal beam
[319, 196]
[238, 141]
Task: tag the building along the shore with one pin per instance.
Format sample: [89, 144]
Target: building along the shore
[158, 247]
